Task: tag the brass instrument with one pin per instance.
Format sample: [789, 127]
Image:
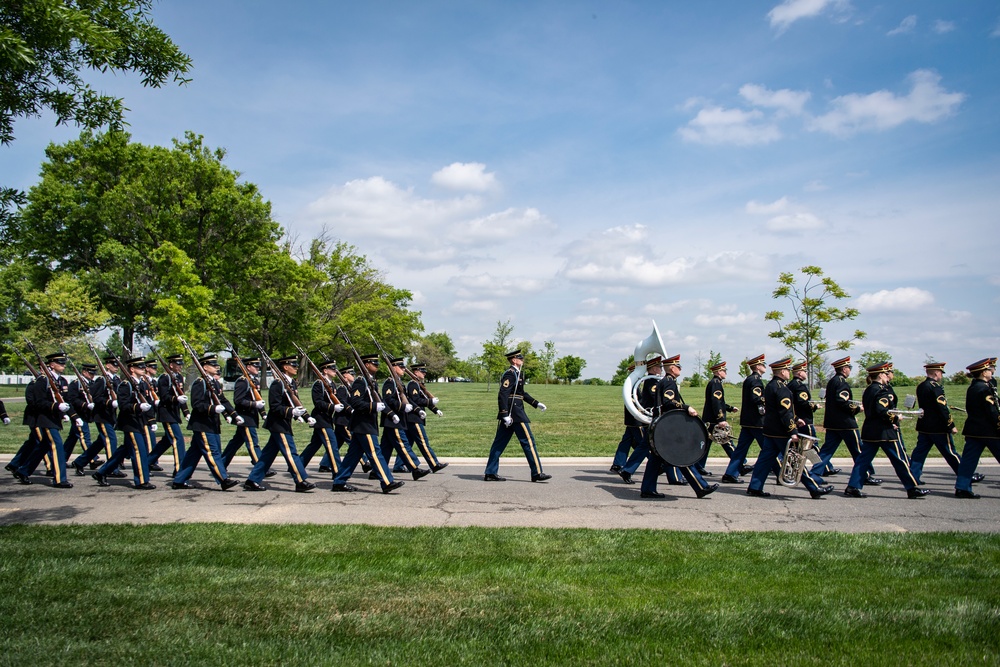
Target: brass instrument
[797, 454]
[902, 414]
[650, 345]
[722, 434]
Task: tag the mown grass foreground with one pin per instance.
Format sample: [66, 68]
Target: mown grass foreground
[344, 595]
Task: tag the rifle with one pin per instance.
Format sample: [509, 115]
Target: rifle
[396, 382]
[340, 376]
[291, 394]
[209, 385]
[104, 373]
[177, 389]
[254, 392]
[31, 369]
[369, 380]
[425, 390]
[83, 385]
[153, 396]
[47, 372]
[331, 391]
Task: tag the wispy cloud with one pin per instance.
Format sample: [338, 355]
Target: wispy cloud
[941, 26]
[789, 101]
[786, 216]
[716, 125]
[790, 11]
[901, 298]
[905, 26]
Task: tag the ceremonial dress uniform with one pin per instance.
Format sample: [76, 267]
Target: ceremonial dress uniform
[84, 410]
[841, 424]
[324, 412]
[982, 427]
[751, 420]
[169, 414]
[512, 420]
[715, 410]
[393, 422]
[416, 429]
[48, 419]
[105, 399]
[342, 422]
[802, 402]
[208, 404]
[250, 408]
[935, 426]
[132, 422]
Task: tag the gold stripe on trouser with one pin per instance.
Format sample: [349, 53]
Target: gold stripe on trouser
[531, 447]
[373, 458]
[425, 449]
[48, 457]
[402, 450]
[150, 438]
[329, 451]
[250, 445]
[107, 440]
[54, 453]
[901, 453]
[693, 477]
[136, 461]
[287, 451]
[208, 456]
[173, 446]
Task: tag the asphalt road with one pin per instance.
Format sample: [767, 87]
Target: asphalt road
[581, 494]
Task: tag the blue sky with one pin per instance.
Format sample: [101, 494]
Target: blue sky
[586, 168]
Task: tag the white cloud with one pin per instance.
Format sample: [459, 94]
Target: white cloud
[468, 176]
[790, 11]
[926, 102]
[789, 101]
[815, 186]
[739, 319]
[996, 30]
[902, 298]
[471, 307]
[794, 222]
[757, 208]
[907, 25]
[488, 285]
[716, 125]
[941, 26]
[508, 224]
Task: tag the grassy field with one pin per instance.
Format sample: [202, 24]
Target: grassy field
[581, 420]
[345, 595]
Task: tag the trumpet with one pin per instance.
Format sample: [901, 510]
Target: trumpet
[902, 414]
[797, 454]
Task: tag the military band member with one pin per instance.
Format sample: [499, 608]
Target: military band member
[841, 423]
[649, 400]
[365, 407]
[715, 410]
[105, 398]
[671, 399]
[169, 411]
[935, 427]
[208, 405]
[394, 425]
[513, 420]
[324, 412]
[133, 411]
[802, 401]
[48, 419]
[751, 421]
[879, 432]
[416, 429]
[77, 396]
[280, 413]
[780, 426]
[982, 427]
[631, 438]
[251, 409]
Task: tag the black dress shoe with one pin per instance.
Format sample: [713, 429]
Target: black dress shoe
[626, 477]
[96, 463]
[540, 477]
[118, 473]
[229, 483]
[705, 473]
[343, 488]
[22, 478]
[365, 467]
[821, 491]
[494, 478]
[177, 486]
[10, 467]
[852, 492]
[145, 486]
[652, 494]
[62, 485]
[439, 467]
[304, 487]
[962, 493]
[324, 469]
[49, 473]
[155, 467]
[917, 492]
[373, 475]
[419, 473]
[80, 469]
[616, 469]
[874, 481]
[729, 479]
[102, 480]
[708, 490]
[977, 477]
[677, 482]
[832, 471]
[270, 473]
[392, 487]
[253, 486]
[757, 493]
[746, 470]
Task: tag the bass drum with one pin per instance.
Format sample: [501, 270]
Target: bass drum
[678, 438]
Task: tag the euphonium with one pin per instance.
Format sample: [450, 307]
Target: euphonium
[722, 434]
[797, 454]
[651, 344]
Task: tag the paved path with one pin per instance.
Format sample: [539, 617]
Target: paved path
[581, 494]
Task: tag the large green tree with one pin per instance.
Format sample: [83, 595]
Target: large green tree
[812, 302]
[569, 367]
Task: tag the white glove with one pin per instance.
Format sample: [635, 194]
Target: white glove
[339, 407]
[6, 420]
[395, 419]
[114, 404]
[298, 411]
[64, 407]
[65, 418]
[379, 407]
[239, 420]
[145, 407]
[156, 402]
[219, 409]
[422, 414]
[182, 399]
[311, 421]
[259, 405]
[90, 406]
[541, 406]
[154, 428]
[434, 401]
[78, 422]
[507, 421]
[187, 417]
[408, 408]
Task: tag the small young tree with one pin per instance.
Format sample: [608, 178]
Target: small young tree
[569, 368]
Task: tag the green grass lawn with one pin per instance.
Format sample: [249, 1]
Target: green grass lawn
[581, 420]
[345, 595]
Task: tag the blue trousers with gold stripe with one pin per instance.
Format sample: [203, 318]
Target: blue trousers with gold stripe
[368, 445]
[771, 451]
[209, 446]
[655, 467]
[503, 436]
[285, 443]
[106, 439]
[851, 438]
[394, 439]
[326, 438]
[48, 443]
[417, 435]
[632, 438]
[245, 435]
[896, 455]
[77, 434]
[134, 443]
[970, 459]
[944, 444]
[173, 439]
